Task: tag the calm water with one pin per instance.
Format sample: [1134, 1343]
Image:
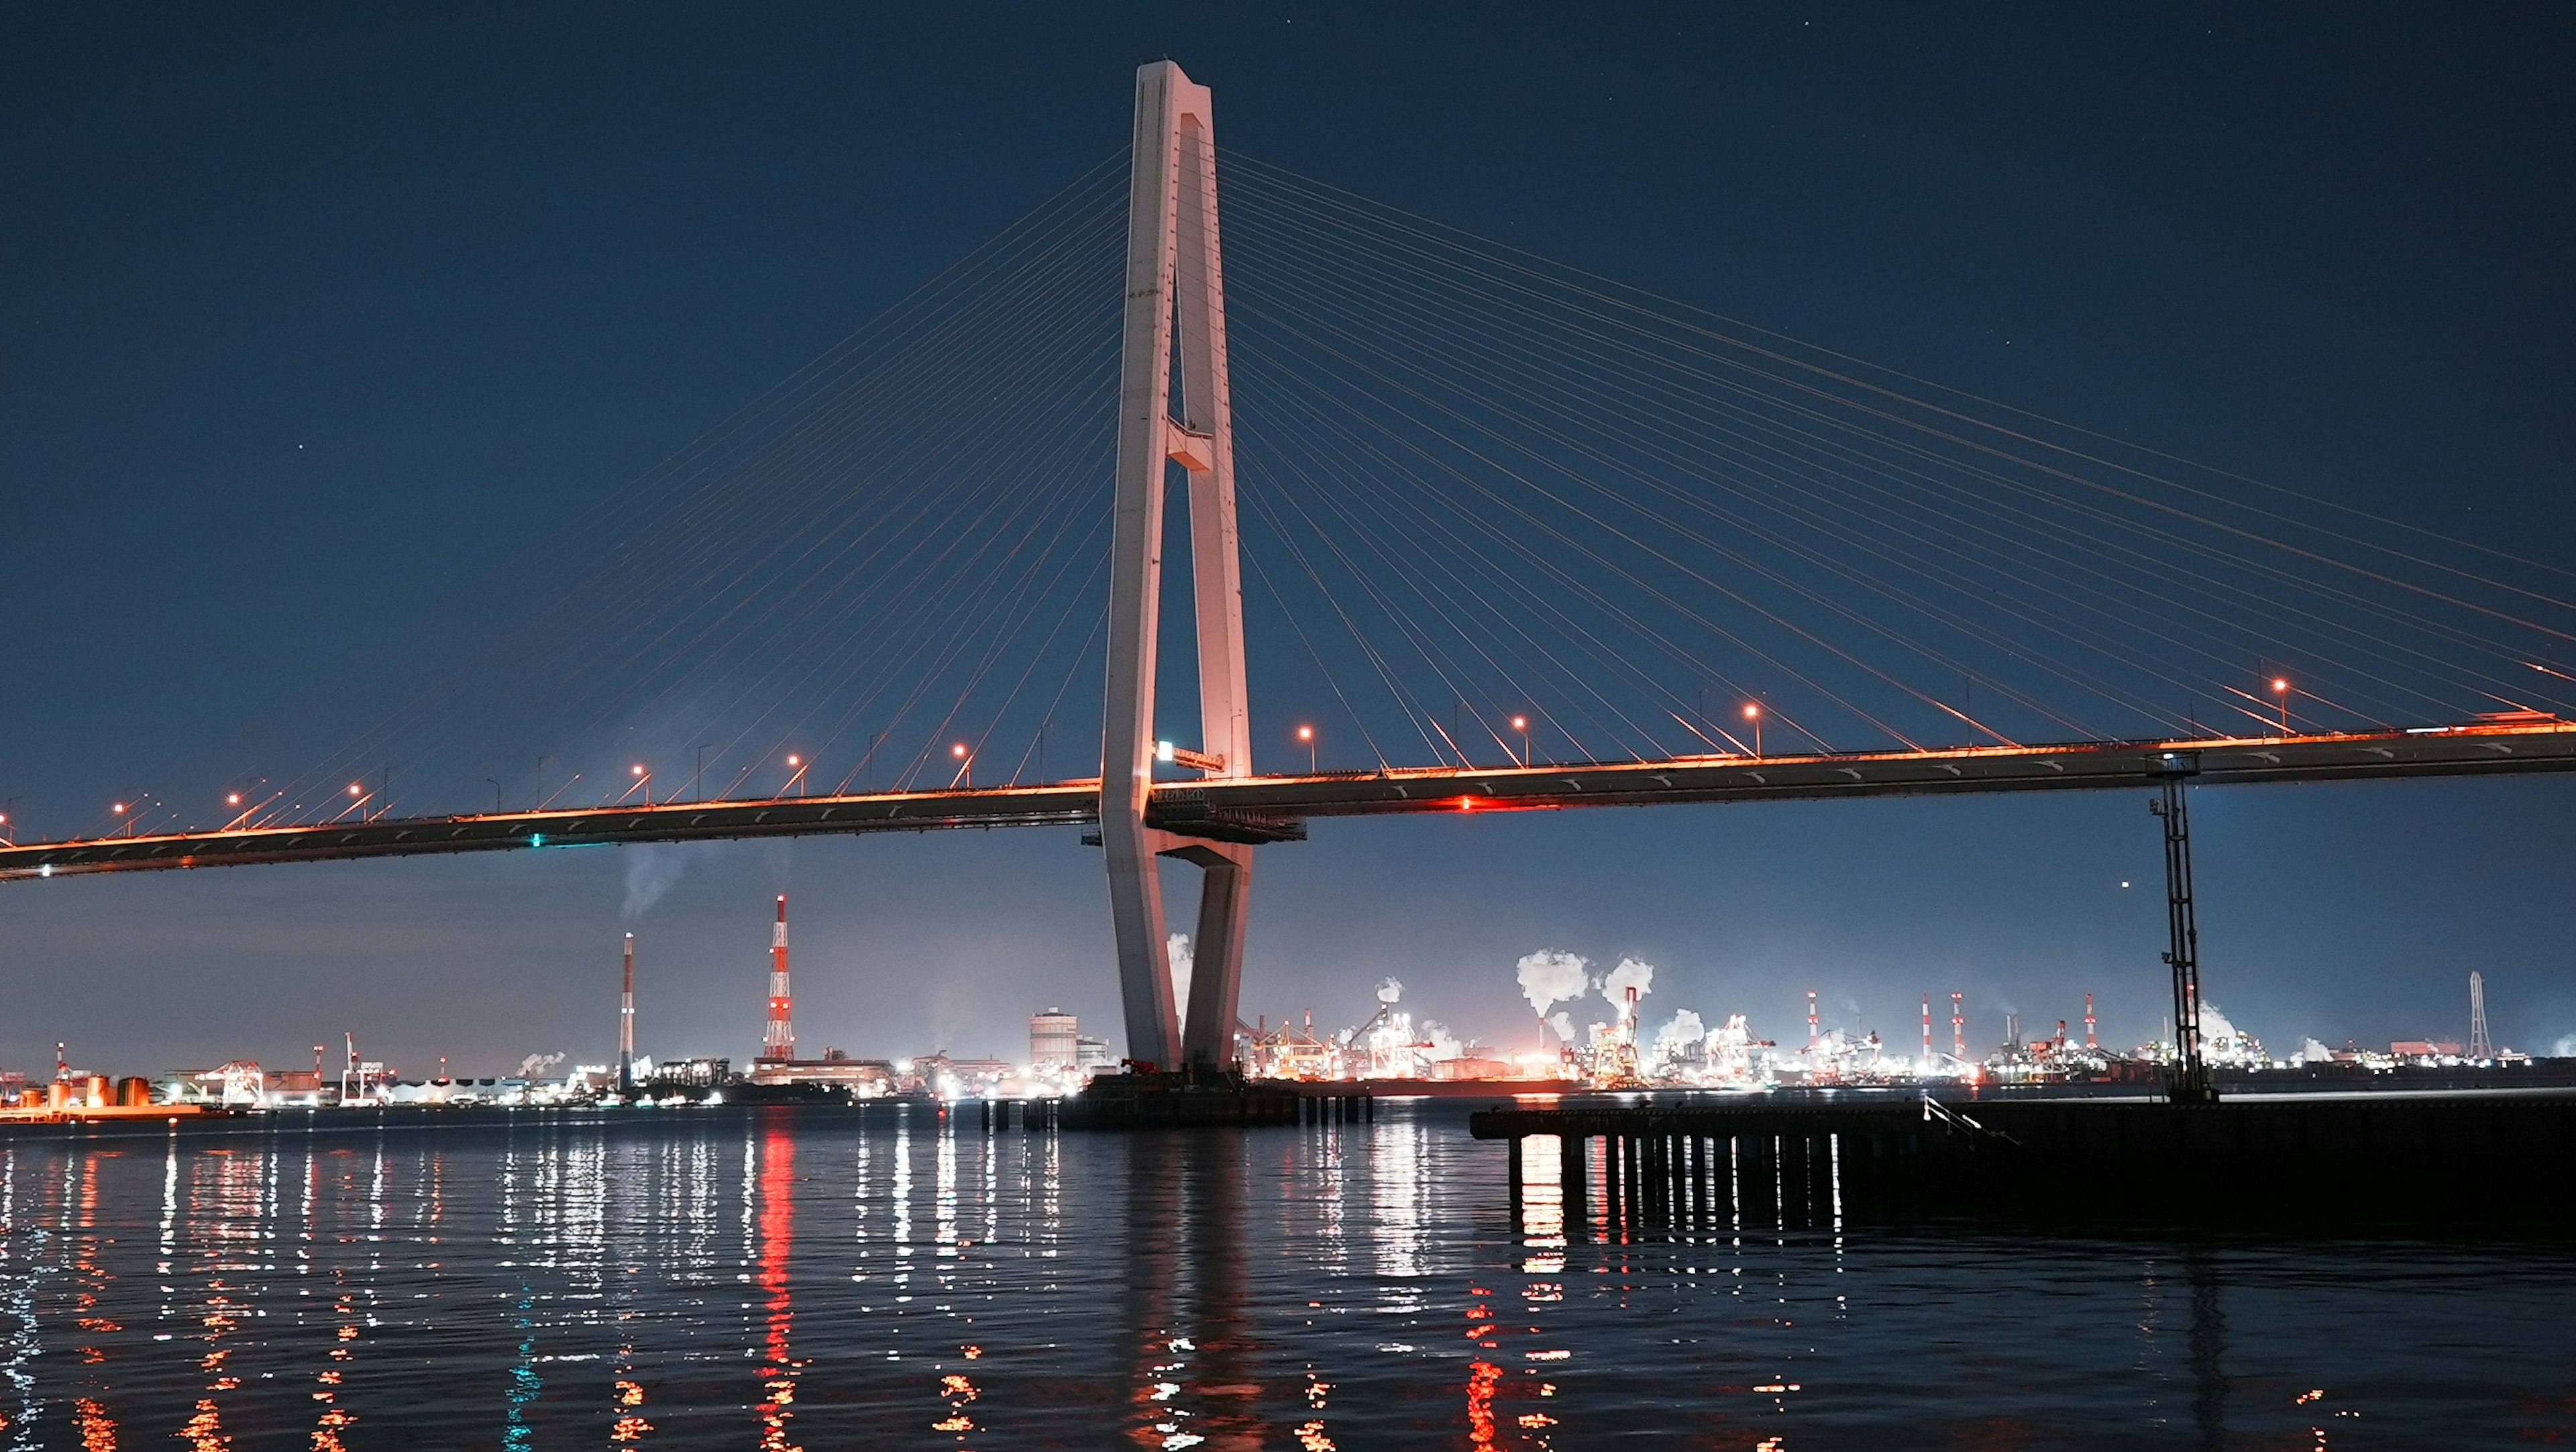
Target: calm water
[745, 1278]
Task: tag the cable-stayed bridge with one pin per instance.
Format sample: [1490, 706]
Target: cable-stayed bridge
[1504, 535]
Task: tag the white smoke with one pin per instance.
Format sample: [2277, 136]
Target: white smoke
[1177, 950]
[1552, 975]
[1444, 1044]
[2565, 1048]
[652, 869]
[1389, 991]
[1629, 973]
[1674, 1039]
[1563, 1023]
[2213, 1024]
[2313, 1052]
[538, 1066]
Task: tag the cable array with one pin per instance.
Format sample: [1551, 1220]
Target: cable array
[1494, 509]
[1488, 486]
[889, 571]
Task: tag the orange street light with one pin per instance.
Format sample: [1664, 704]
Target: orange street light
[1307, 735]
[965, 767]
[2281, 688]
[796, 772]
[1753, 713]
[1521, 725]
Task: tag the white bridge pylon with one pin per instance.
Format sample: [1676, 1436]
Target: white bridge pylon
[1175, 299]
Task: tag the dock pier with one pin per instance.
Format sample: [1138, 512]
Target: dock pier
[1684, 1166]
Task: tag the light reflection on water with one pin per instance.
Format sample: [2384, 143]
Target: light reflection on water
[807, 1279]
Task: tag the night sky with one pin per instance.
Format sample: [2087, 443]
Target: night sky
[308, 315]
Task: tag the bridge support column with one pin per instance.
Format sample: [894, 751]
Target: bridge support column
[1175, 301]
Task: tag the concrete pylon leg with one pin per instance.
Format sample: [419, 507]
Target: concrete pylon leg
[1216, 957]
[1175, 306]
[1144, 962]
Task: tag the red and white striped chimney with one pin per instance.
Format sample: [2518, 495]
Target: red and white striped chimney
[778, 1041]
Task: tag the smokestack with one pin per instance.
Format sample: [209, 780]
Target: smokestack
[1958, 1027]
[2088, 1022]
[1812, 1035]
[778, 1040]
[626, 1026]
[1927, 1031]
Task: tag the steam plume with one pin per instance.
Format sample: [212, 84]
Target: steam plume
[1677, 1036]
[1389, 991]
[1177, 950]
[1614, 986]
[652, 869]
[1552, 975]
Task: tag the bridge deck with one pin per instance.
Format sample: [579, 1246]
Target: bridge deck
[1273, 809]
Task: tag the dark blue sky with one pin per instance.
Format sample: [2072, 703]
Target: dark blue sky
[311, 314]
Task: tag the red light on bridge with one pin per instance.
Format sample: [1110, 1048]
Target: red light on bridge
[1466, 804]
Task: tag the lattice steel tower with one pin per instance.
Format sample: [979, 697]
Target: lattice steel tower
[778, 1039]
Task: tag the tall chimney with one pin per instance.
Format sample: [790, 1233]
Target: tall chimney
[778, 1041]
[1927, 1031]
[2088, 1022]
[1958, 1027]
[626, 1025]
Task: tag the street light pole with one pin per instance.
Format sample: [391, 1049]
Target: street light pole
[698, 783]
[2281, 691]
[1521, 725]
[1753, 713]
[1307, 735]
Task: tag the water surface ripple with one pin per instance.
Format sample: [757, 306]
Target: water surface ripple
[802, 1278]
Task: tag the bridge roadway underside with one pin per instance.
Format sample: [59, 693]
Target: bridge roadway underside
[1276, 809]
